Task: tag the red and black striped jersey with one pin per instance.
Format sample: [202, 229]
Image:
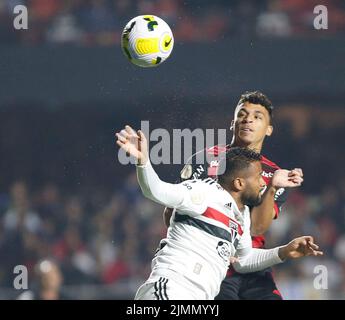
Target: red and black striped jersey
[204, 164]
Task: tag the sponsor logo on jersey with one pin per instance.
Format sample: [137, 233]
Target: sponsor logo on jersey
[267, 174]
[228, 205]
[279, 192]
[198, 171]
[223, 250]
[214, 163]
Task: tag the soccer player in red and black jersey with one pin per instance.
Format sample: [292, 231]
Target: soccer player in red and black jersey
[252, 123]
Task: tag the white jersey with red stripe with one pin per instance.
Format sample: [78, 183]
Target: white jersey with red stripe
[198, 246]
[206, 229]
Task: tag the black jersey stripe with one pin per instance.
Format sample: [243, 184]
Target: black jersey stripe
[161, 283]
[207, 227]
[156, 290]
[165, 288]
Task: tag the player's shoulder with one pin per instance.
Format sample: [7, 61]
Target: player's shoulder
[206, 184]
[215, 151]
[218, 149]
[269, 163]
[197, 166]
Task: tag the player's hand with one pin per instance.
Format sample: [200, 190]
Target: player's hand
[300, 247]
[233, 260]
[287, 178]
[134, 143]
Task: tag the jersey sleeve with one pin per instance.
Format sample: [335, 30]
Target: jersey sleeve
[188, 197]
[246, 239]
[252, 259]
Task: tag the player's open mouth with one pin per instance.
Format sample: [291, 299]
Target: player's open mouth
[246, 129]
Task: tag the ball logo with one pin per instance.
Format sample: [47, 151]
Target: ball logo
[151, 22]
[167, 42]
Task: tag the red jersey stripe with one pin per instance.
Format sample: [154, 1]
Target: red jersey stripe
[271, 164]
[220, 217]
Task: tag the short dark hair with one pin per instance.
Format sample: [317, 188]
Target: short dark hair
[257, 97]
[238, 159]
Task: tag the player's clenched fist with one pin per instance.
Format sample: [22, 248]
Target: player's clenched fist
[134, 143]
[287, 178]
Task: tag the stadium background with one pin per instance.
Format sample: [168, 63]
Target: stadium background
[66, 88]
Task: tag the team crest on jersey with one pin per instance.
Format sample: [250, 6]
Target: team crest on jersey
[234, 233]
[223, 250]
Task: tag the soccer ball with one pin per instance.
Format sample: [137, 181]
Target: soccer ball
[147, 41]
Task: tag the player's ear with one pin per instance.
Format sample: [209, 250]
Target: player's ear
[239, 184]
[232, 125]
[269, 130]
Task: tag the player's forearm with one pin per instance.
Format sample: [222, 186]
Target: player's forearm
[262, 215]
[257, 259]
[157, 190]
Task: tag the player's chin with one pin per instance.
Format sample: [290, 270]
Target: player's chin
[253, 201]
[246, 137]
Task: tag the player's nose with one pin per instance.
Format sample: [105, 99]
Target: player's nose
[247, 119]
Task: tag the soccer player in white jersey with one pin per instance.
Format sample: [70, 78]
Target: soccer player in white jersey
[212, 224]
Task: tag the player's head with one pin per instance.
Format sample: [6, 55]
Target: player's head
[252, 120]
[243, 174]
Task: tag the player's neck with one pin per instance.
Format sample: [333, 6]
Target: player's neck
[257, 146]
[238, 201]
[236, 196]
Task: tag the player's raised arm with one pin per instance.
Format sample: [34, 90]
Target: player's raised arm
[252, 259]
[262, 215]
[134, 143]
[167, 194]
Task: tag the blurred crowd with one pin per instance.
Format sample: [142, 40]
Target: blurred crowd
[95, 238]
[100, 22]
[322, 216]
